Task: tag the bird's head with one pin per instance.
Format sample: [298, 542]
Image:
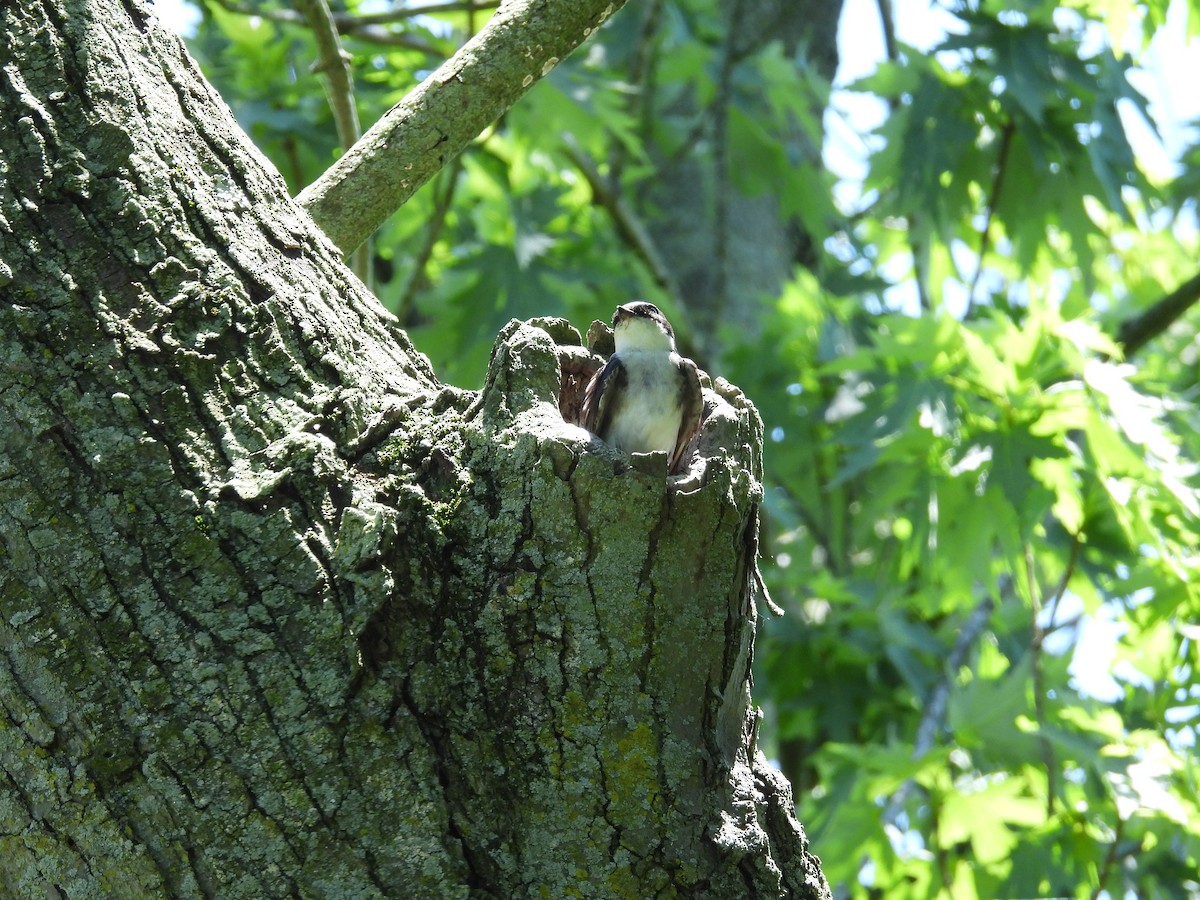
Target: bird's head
[639, 325]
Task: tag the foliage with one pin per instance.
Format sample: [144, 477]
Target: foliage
[983, 521]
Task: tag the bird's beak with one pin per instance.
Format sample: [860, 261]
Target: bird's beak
[623, 312]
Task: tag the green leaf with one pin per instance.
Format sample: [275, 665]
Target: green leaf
[987, 816]
[1023, 59]
[1013, 456]
[1061, 477]
[987, 370]
[984, 713]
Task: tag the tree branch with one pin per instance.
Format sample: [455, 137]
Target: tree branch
[1110, 858]
[347, 23]
[939, 697]
[1135, 333]
[985, 236]
[399, 13]
[440, 118]
[371, 28]
[433, 230]
[334, 63]
[629, 227]
[887, 23]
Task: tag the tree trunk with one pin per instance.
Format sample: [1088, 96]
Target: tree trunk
[280, 615]
[739, 248]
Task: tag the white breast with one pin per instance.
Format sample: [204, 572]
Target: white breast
[648, 419]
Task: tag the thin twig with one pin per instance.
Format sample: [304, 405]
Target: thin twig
[985, 237]
[629, 226]
[1110, 859]
[1069, 624]
[346, 24]
[433, 231]
[400, 13]
[938, 699]
[386, 37]
[334, 63]
[1061, 589]
[888, 23]
[1038, 637]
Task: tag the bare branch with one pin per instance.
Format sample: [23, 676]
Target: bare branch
[364, 28]
[407, 12]
[440, 117]
[887, 22]
[985, 237]
[629, 227]
[334, 63]
[1110, 857]
[386, 37]
[1135, 333]
[938, 700]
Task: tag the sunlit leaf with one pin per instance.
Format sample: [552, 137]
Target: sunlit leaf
[985, 816]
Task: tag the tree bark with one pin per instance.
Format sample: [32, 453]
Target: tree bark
[280, 615]
[737, 249]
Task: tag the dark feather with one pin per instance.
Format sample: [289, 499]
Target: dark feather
[598, 406]
[692, 402]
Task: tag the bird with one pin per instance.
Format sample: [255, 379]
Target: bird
[647, 397]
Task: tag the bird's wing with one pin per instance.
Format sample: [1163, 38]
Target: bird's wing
[596, 415]
[692, 403]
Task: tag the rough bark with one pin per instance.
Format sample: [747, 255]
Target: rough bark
[280, 615]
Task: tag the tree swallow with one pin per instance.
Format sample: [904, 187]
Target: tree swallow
[647, 397]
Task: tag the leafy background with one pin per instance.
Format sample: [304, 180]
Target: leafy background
[982, 486]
